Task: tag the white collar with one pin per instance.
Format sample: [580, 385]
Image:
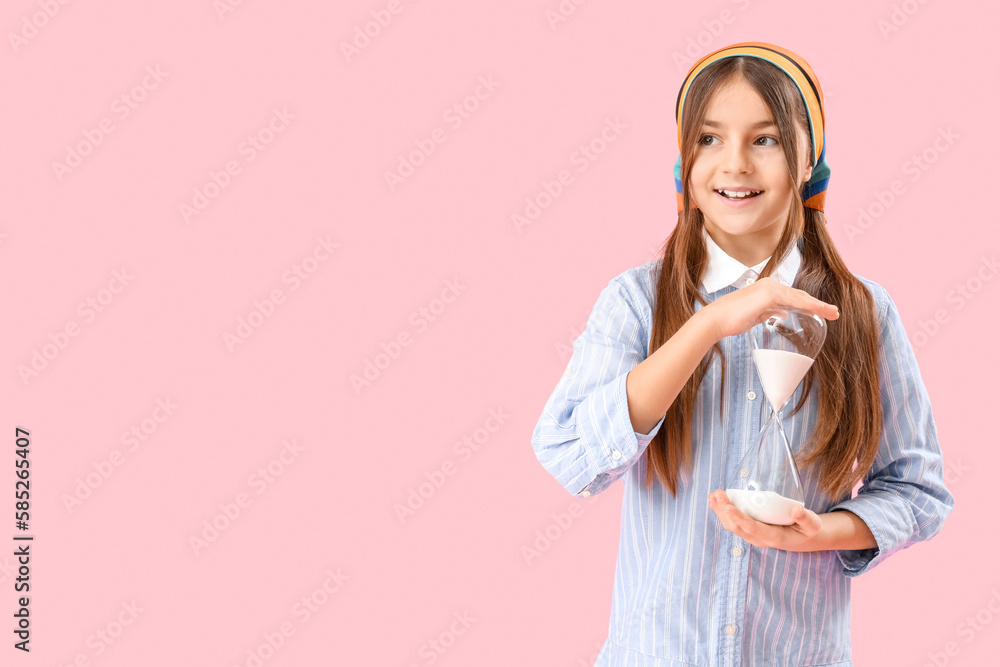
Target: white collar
[723, 270]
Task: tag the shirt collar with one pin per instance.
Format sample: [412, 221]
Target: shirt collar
[724, 271]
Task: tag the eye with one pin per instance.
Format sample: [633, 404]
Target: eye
[768, 137]
[701, 141]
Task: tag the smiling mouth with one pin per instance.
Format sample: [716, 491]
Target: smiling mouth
[738, 195]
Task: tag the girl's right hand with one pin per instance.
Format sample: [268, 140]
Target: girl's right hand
[737, 312]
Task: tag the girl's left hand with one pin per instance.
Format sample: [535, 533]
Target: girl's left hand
[791, 538]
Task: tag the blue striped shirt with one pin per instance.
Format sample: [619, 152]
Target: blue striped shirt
[687, 591]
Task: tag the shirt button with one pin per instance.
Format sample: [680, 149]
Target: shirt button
[586, 494]
[616, 455]
[569, 371]
[737, 552]
[744, 472]
[730, 629]
[751, 394]
[749, 281]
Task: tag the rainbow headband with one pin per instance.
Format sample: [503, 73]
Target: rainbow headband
[814, 192]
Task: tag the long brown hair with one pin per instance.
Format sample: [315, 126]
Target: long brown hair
[849, 422]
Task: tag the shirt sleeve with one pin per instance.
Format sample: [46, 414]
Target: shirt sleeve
[902, 499]
[584, 437]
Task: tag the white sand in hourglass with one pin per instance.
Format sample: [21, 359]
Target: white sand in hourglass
[766, 506]
[780, 373]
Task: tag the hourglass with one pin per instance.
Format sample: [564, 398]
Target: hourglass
[766, 486]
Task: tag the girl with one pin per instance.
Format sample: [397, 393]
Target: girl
[661, 391]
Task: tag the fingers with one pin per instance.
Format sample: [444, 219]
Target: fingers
[822, 308]
[808, 521]
[731, 517]
[829, 311]
[799, 298]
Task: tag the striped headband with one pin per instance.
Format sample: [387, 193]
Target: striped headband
[814, 193]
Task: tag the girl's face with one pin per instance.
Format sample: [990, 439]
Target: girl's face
[739, 151]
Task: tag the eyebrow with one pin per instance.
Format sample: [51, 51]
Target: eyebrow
[756, 126]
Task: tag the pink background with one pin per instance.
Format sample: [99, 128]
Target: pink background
[499, 343]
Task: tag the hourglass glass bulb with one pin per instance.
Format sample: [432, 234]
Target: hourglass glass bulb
[766, 486]
[784, 347]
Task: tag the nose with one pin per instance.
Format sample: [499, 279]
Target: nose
[736, 158]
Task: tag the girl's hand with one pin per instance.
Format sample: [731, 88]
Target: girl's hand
[791, 538]
[737, 312]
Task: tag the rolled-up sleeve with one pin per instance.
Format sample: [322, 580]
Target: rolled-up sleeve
[584, 437]
[903, 498]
